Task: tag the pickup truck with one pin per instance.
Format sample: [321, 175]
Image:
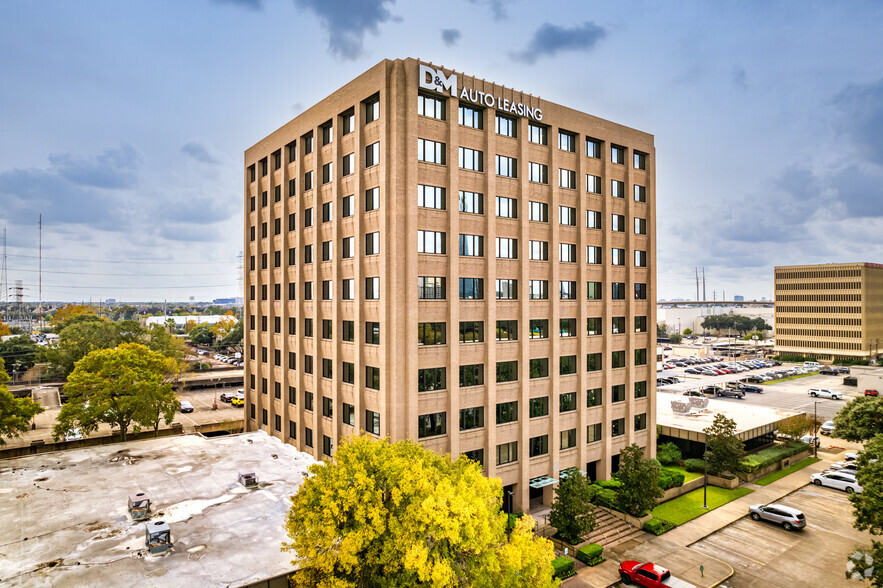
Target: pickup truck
[649, 575]
[825, 393]
[744, 387]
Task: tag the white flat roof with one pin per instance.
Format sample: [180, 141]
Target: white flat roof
[64, 515]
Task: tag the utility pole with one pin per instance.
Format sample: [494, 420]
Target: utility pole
[40, 287]
[703, 283]
[697, 284]
[4, 280]
[815, 423]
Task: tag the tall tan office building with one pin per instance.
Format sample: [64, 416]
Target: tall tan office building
[435, 257]
[830, 311]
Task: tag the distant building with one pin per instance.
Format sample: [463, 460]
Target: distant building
[830, 311]
[110, 300]
[180, 321]
[224, 301]
[738, 298]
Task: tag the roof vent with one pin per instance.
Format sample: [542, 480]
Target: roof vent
[158, 537]
[248, 479]
[139, 506]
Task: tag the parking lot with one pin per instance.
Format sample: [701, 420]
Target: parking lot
[763, 554]
[203, 407]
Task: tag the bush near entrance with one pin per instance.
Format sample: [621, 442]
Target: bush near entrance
[694, 465]
[669, 478]
[658, 526]
[769, 456]
[563, 567]
[590, 554]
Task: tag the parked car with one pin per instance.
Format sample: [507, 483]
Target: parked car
[238, 400]
[809, 439]
[186, 406]
[829, 371]
[827, 428]
[871, 392]
[843, 369]
[228, 396]
[693, 393]
[851, 455]
[752, 380]
[789, 518]
[837, 480]
[744, 387]
[730, 392]
[649, 575]
[825, 393]
[843, 467]
[693, 371]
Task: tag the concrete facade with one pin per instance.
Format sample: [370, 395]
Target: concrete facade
[318, 371]
[830, 311]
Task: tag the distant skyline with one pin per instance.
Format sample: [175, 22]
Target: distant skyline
[124, 123]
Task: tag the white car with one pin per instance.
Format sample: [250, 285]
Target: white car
[827, 428]
[825, 393]
[837, 480]
[851, 456]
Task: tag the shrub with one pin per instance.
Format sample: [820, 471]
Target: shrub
[606, 497]
[513, 518]
[668, 454]
[669, 478]
[563, 567]
[611, 484]
[769, 456]
[590, 554]
[694, 465]
[658, 526]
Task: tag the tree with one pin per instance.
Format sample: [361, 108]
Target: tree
[687, 332]
[860, 419]
[15, 413]
[233, 338]
[724, 450]
[675, 338]
[65, 313]
[4, 329]
[868, 505]
[797, 426]
[78, 340]
[201, 335]
[760, 325]
[224, 326]
[661, 330]
[19, 353]
[668, 454]
[640, 481]
[121, 386]
[572, 512]
[396, 514]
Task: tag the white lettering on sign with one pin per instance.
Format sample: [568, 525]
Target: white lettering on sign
[437, 81]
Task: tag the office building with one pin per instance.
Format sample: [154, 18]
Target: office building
[436, 257]
[832, 311]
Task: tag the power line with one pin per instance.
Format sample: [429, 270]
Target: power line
[127, 261]
[188, 274]
[141, 287]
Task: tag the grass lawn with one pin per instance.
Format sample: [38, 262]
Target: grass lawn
[689, 506]
[791, 378]
[687, 475]
[770, 478]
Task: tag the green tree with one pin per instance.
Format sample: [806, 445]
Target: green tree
[4, 329]
[19, 353]
[797, 426]
[640, 481]
[201, 335]
[15, 413]
[572, 512]
[687, 332]
[65, 313]
[115, 386]
[860, 419]
[724, 450]
[868, 505]
[760, 325]
[232, 338]
[668, 454]
[78, 340]
[675, 338]
[661, 329]
[396, 514]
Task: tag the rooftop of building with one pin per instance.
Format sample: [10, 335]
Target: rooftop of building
[832, 265]
[64, 516]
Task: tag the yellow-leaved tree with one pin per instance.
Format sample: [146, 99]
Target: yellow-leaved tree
[396, 514]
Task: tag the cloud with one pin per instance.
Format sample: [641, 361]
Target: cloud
[256, 5]
[113, 169]
[450, 36]
[549, 39]
[199, 152]
[861, 118]
[347, 22]
[740, 77]
[498, 9]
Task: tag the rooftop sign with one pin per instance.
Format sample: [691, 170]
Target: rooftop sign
[436, 80]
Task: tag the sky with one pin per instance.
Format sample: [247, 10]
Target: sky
[124, 123]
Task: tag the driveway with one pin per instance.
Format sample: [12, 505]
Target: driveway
[763, 554]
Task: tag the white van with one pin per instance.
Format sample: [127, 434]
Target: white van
[813, 365]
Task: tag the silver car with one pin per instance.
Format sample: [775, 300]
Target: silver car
[789, 518]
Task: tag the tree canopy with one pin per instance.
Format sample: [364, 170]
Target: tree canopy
[4, 329]
[65, 313]
[572, 512]
[15, 413]
[860, 419]
[724, 449]
[397, 514]
[868, 505]
[125, 386]
[640, 481]
[19, 353]
[737, 323]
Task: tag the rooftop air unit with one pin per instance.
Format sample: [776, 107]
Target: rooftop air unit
[139, 506]
[159, 537]
[249, 479]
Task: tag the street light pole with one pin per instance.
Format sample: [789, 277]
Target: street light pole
[815, 423]
[705, 485]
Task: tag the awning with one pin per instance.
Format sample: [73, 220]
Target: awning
[542, 481]
[564, 473]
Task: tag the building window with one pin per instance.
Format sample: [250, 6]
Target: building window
[617, 256]
[640, 357]
[640, 324]
[593, 220]
[538, 329]
[539, 367]
[567, 327]
[327, 133]
[471, 159]
[617, 154]
[640, 258]
[506, 166]
[327, 446]
[617, 393]
[507, 371]
[507, 248]
[617, 427]
[471, 332]
[327, 250]
[372, 154]
[507, 289]
[539, 250]
[372, 199]
[431, 197]
[640, 291]
[538, 172]
[431, 288]
[348, 331]
[568, 439]
[539, 289]
[640, 226]
[507, 412]
[593, 255]
[471, 202]
[372, 243]
[640, 421]
[507, 330]
[327, 330]
[308, 401]
[567, 216]
[348, 165]
[431, 379]
[640, 193]
[567, 402]
[372, 377]
[507, 453]
[307, 142]
[327, 407]
[472, 245]
[506, 207]
[617, 189]
[539, 406]
[372, 109]
[567, 290]
[308, 180]
[641, 389]
[640, 160]
[567, 252]
[349, 415]
[617, 291]
[471, 418]
[347, 248]
[372, 422]
[308, 218]
[471, 288]
[372, 333]
[292, 151]
[617, 359]
[593, 148]
[431, 334]
[593, 326]
[471, 117]
[430, 151]
[430, 107]
[593, 397]
[308, 327]
[593, 362]
[431, 425]
[308, 364]
[471, 375]
[593, 184]
[431, 242]
[347, 122]
[308, 437]
[539, 445]
[476, 455]
[538, 134]
[292, 429]
[348, 372]
[292, 394]
[617, 223]
[593, 433]
[506, 126]
[567, 141]
[538, 212]
[348, 289]
[566, 178]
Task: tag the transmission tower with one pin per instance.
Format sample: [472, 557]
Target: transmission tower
[4, 280]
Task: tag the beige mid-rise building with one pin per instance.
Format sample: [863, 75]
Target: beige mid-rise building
[436, 257]
[830, 311]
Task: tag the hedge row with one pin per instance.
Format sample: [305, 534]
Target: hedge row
[563, 567]
[590, 554]
[658, 526]
[771, 455]
[670, 478]
[694, 465]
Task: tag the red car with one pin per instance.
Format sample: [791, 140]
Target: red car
[649, 575]
[871, 393]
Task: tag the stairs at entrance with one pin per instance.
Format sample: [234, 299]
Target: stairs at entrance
[611, 531]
